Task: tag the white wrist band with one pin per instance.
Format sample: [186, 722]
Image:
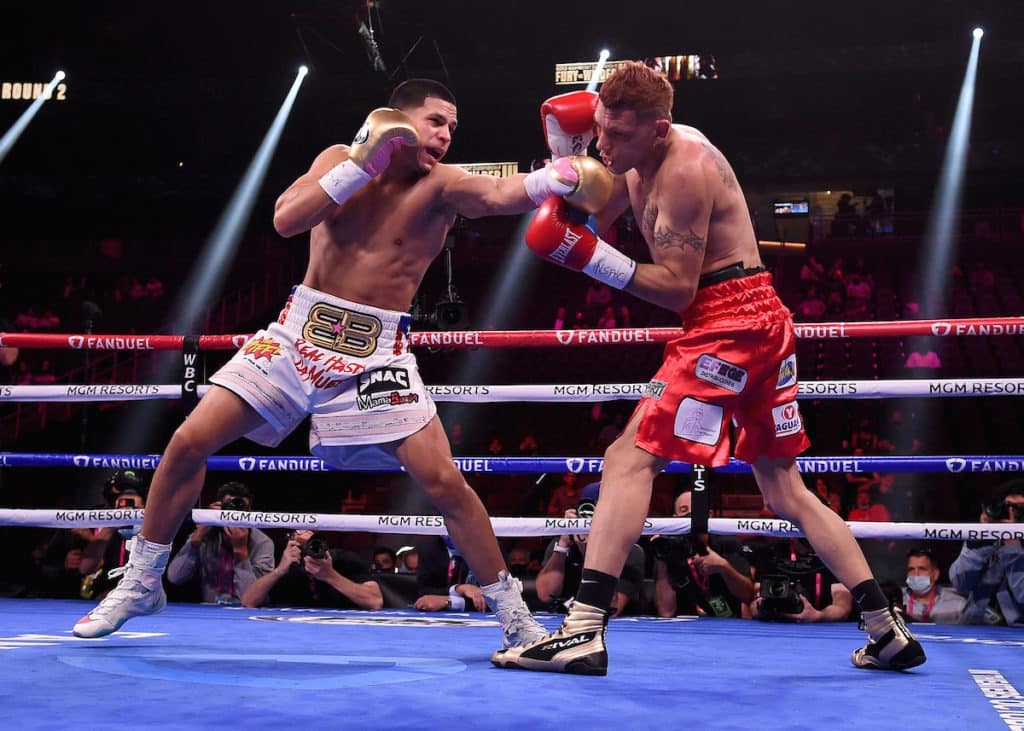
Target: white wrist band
[560, 549]
[611, 266]
[344, 179]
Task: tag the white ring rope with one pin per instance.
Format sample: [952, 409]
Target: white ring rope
[503, 527]
[556, 393]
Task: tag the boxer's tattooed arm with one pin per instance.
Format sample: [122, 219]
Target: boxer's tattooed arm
[666, 238]
[649, 219]
[724, 171]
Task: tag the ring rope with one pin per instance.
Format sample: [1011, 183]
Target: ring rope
[564, 393]
[503, 527]
[954, 464]
[468, 339]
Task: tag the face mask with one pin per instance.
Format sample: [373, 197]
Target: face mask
[919, 584]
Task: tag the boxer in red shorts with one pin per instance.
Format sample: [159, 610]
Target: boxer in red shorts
[735, 361]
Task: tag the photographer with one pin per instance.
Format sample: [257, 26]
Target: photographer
[61, 566]
[444, 581]
[794, 585]
[309, 574]
[559, 578]
[991, 573]
[229, 559]
[692, 576]
[106, 550]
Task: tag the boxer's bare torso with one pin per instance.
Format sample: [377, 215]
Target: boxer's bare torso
[689, 155]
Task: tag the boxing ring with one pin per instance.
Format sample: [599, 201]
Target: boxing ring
[199, 666]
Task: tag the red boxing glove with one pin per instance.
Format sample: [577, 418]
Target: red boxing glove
[564, 235]
[568, 121]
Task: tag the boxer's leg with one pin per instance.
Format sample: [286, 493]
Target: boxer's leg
[427, 456]
[220, 418]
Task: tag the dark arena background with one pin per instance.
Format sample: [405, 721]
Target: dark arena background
[880, 146]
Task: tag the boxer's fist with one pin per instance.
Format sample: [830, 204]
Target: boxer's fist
[384, 131]
[584, 182]
[594, 184]
[568, 121]
[566, 236]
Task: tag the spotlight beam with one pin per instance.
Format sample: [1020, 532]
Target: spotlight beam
[11, 136]
[207, 276]
[595, 78]
[943, 221]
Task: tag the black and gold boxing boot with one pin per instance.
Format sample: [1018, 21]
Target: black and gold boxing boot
[576, 647]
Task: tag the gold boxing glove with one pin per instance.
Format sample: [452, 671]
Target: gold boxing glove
[594, 187]
[583, 181]
[384, 131]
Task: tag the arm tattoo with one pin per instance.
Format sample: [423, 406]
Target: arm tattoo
[728, 179]
[649, 219]
[666, 238]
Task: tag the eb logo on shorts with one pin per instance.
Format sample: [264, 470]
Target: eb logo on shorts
[721, 373]
[787, 419]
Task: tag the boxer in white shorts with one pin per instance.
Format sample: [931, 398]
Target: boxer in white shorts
[377, 212]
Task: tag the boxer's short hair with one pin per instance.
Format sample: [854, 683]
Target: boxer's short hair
[414, 92]
[636, 87]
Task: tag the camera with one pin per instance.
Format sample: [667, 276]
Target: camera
[1001, 511]
[235, 503]
[779, 595]
[676, 552]
[316, 547]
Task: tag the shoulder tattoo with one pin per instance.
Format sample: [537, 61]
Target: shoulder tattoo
[724, 171]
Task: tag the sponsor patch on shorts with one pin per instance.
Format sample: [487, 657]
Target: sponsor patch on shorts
[654, 389]
[721, 373]
[383, 387]
[787, 419]
[697, 421]
[787, 373]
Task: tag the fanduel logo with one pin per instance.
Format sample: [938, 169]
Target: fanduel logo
[955, 464]
[941, 328]
[248, 464]
[564, 336]
[80, 460]
[76, 341]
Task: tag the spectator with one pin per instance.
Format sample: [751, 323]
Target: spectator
[867, 509]
[812, 270]
[310, 574]
[444, 580]
[565, 496]
[561, 319]
[828, 494]
[408, 559]
[923, 357]
[811, 307]
[520, 563]
[107, 551]
[598, 296]
[924, 600]
[228, 559]
[991, 572]
[45, 375]
[625, 317]
[62, 560]
[699, 575]
[385, 561]
[607, 318]
[562, 568]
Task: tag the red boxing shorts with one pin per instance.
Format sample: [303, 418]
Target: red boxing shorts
[736, 362]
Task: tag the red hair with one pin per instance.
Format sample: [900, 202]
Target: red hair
[639, 88]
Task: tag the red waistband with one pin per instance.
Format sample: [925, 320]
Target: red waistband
[744, 298]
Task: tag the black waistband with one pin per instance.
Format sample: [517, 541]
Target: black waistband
[733, 271]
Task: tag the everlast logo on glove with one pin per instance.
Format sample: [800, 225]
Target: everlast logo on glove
[569, 240]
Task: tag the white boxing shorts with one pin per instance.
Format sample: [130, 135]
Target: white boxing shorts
[345, 363]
